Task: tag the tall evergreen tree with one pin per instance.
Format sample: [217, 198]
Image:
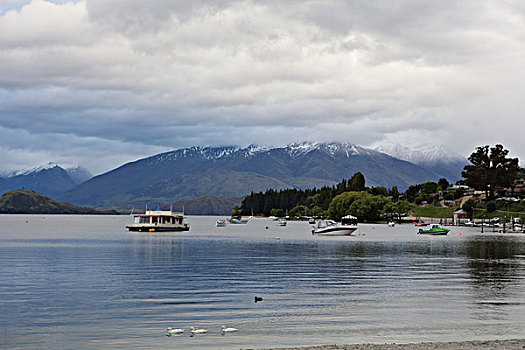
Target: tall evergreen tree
[490, 168]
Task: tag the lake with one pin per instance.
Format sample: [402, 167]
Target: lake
[84, 282]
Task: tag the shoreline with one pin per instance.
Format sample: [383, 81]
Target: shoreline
[510, 344]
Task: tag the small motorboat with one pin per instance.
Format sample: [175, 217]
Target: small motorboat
[220, 223]
[391, 224]
[421, 223]
[238, 220]
[281, 222]
[435, 230]
[346, 227]
[472, 224]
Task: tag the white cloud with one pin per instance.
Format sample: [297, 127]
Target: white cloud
[165, 74]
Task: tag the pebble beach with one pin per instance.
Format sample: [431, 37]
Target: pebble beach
[512, 344]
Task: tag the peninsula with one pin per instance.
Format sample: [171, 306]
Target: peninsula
[24, 201]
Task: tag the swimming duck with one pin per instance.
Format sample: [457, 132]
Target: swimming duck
[193, 330]
[174, 331]
[229, 329]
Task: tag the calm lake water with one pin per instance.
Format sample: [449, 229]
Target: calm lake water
[84, 282]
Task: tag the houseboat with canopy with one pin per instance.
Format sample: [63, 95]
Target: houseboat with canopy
[158, 221]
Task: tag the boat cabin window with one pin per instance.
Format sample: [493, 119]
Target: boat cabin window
[143, 219]
[154, 219]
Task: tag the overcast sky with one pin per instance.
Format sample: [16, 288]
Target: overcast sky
[103, 82]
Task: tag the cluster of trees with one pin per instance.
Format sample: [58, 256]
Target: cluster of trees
[489, 169]
[347, 197]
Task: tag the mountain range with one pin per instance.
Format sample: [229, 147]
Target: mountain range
[437, 158]
[204, 177]
[49, 179]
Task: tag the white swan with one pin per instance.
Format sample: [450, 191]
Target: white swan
[229, 329]
[193, 330]
[174, 331]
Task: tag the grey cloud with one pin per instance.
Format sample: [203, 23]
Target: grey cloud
[165, 74]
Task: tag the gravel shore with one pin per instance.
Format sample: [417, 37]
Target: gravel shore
[513, 344]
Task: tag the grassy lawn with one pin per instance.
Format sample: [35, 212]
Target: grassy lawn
[434, 212]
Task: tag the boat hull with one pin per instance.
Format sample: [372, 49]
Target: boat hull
[434, 232]
[157, 228]
[238, 221]
[335, 231]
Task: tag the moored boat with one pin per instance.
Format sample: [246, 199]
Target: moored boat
[220, 223]
[346, 227]
[421, 223]
[238, 220]
[435, 230]
[281, 222]
[158, 221]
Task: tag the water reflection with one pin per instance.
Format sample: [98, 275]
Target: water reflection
[493, 264]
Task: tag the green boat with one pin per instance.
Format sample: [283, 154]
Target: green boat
[435, 230]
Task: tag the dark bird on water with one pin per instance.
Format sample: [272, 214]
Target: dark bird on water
[256, 299]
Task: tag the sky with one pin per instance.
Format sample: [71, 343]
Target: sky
[99, 83]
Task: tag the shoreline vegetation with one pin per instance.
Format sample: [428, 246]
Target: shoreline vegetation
[510, 344]
[493, 185]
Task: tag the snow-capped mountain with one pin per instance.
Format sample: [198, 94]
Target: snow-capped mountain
[235, 172]
[33, 170]
[78, 174]
[436, 158]
[49, 179]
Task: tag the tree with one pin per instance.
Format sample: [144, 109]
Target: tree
[398, 209]
[490, 168]
[299, 210]
[394, 193]
[412, 192]
[236, 211]
[429, 187]
[277, 212]
[357, 182]
[379, 191]
[443, 183]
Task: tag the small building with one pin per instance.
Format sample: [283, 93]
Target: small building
[459, 216]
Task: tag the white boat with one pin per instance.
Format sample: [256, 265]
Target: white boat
[281, 222]
[238, 220]
[472, 224]
[158, 221]
[220, 223]
[346, 227]
[391, 224]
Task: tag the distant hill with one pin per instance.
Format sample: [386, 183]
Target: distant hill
[24, 201]
[49, 179]
[235, 172]
[207, 205]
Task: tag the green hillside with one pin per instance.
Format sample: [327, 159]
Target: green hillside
[24, 201]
